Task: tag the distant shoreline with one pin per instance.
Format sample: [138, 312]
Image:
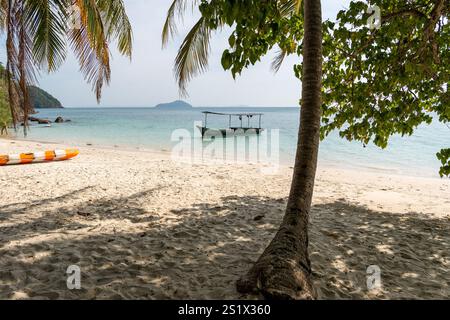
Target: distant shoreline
[154, 107]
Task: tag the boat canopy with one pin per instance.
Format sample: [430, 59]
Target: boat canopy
[241, 117]
[234, 129]
[234, 114]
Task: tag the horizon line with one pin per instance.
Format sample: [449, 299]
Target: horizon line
[153, 107]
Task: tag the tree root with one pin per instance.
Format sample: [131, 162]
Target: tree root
[278, 278]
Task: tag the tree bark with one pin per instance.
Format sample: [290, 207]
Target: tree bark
[11, 56]
[22, 61]
[284, 269]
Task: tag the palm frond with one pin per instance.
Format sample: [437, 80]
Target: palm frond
[46, 23]
[37, 32]
[20, 64]
[298, 7]
[117, 25]
[95, 67]
[289, 7]
[91, 47]
[177, 8]
[170, 27]
[278, 60]
[192, 57]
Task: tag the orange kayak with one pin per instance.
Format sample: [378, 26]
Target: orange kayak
[25, 158]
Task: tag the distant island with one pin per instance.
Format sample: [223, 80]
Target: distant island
[41, 99]
[176, 105]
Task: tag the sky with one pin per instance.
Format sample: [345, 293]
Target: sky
[148, 79]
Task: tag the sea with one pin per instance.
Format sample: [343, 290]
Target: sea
[159, 130]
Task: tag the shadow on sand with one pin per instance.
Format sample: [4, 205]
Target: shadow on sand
[127, 252]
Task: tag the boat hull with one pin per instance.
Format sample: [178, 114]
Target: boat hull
[26, 158]
[230, 132]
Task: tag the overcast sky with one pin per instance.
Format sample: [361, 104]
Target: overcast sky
[148, 79]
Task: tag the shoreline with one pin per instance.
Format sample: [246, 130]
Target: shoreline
[324, 164]
[143, 226]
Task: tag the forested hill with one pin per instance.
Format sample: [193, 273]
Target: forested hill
[176, 105]
[41, 99]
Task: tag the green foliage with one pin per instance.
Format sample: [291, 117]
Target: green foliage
[444, 157]
[380, 82]
[5, 113]
[376, 82]
[257, 27]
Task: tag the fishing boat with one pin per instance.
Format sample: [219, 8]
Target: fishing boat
[245, 127]
[26, 158]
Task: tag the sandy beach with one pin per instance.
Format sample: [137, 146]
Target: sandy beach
[143, 226]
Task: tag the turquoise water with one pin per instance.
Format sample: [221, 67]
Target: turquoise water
[152, 129]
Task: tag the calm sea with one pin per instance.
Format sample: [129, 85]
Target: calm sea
[152, 129]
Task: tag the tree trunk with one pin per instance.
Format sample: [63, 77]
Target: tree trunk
[22, 61]
[11, 55]
[284, 269]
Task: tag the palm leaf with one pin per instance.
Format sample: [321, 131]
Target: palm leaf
[117, 25]
[287, 8]
[193, 54]
[20, 65]
[94, 65]
[178, 7]
[90, 46]
[37, 32]
[277, 62]
[46, 23]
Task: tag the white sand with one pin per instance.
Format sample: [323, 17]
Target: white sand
[140, 225]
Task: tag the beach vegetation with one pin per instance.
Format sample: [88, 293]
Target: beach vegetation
[42, 99]
[5, 113]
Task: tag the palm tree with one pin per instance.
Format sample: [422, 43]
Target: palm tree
[284, 269]
[39, 33]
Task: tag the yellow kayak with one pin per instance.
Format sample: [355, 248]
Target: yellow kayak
[25, 158]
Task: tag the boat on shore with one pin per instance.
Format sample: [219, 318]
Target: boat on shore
[26, 158]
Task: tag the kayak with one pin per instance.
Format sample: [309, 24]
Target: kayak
[25, 158]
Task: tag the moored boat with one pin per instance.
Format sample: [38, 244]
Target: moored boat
[231, 130]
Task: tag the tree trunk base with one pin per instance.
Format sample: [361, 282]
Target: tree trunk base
[277, 277]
